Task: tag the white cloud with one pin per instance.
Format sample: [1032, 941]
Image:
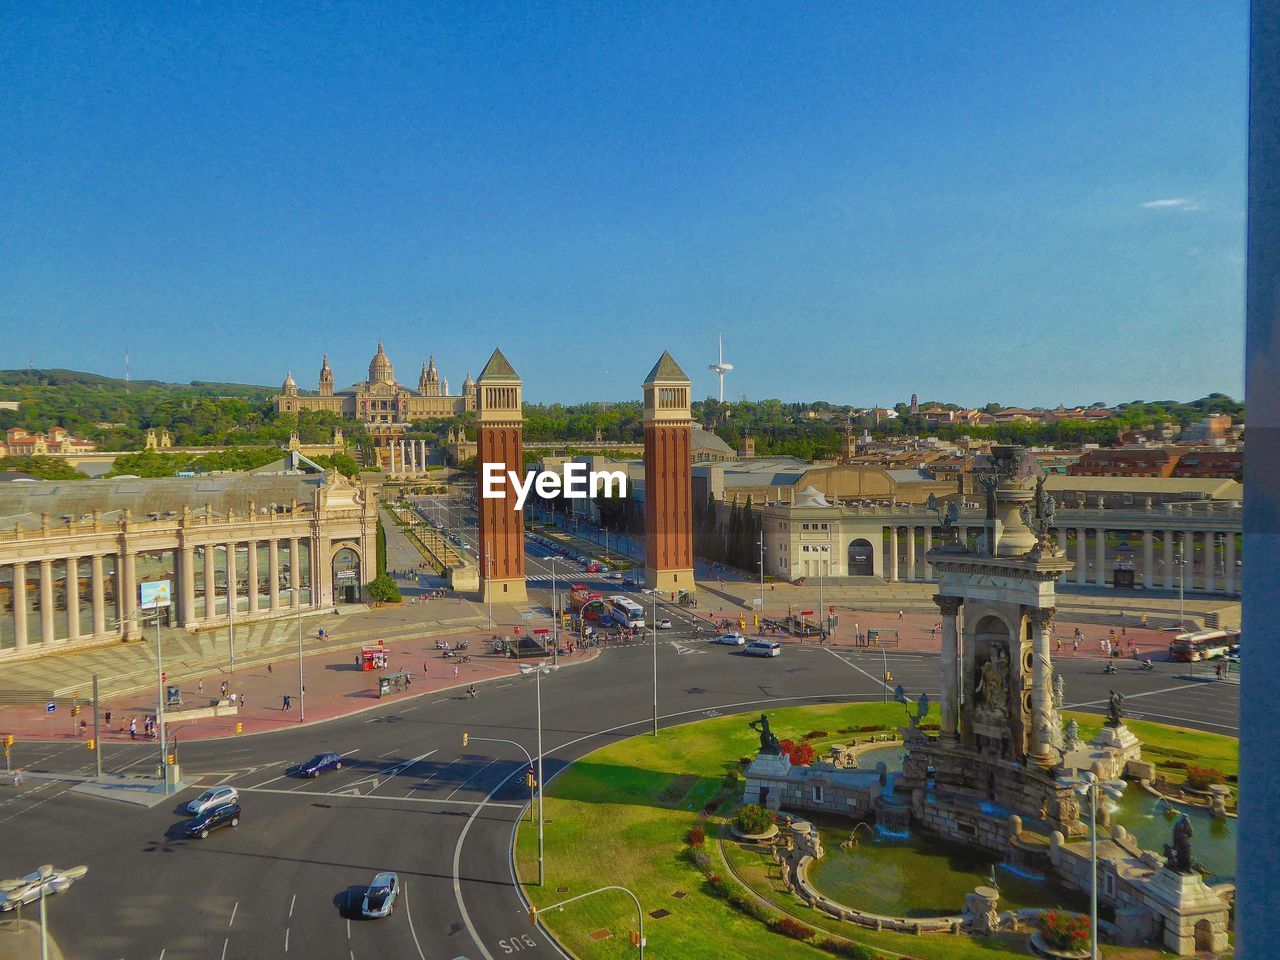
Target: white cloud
[1171, 203]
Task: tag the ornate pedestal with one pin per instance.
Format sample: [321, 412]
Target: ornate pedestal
[1195, 918]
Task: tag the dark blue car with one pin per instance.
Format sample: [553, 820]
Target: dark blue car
[319, 764]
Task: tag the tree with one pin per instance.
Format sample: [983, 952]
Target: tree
[383, 589]
[46, 468]
[381, 563]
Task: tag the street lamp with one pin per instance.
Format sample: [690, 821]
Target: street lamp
[533, 911]
[538, 672]
[44, 875]
[302, 683]
[1088, 785]
[555, 616]
[762, 573]
[654, 630]
[488, 582]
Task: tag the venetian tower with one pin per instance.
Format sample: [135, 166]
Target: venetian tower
[500, 441]
[668, 483]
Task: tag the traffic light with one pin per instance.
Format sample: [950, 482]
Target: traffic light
[92, 744]
[533, 915]
[75, 709]
[171, 758]
[466, 738]
[239, 728]
[888, 676]
[8, 739]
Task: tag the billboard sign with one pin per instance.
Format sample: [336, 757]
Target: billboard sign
[154, 594]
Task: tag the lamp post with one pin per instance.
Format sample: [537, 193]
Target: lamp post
[1087, 785]
[533, 911]
[302, 683]
[555, 616]
[537, 672]
[654, 595]
[488, 582]
[164, 750]
[762, 573]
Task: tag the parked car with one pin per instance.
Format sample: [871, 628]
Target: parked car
[319, 764]
[731, 639]
[763, 648]
[27, 890]
[227, 815]
[213, 797]
[380, 898]
[664, 623]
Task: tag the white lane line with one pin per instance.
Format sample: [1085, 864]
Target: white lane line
[445, 700]
[383, 756]
[1135, 696]
[878, 681]
[472, 777]
[1186, 721]
[410, 709]
[292, 901]
[286, 939]
[352, 796]
[232, 921]
[225, 944]
[348, 922]
[162, 953]
[404, 892]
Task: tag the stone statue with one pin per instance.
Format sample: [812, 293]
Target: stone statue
[922, 710]
[1114, 717]
[992, 690]
[768, 741]
[947, 519]
[1059, 691]
[1178, 856]
[1072, 732]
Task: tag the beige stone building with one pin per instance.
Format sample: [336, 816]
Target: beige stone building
[74, 556]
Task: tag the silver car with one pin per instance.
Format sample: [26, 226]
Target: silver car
[213, 797]
[731, 639]
[380, 898]
[27, 890]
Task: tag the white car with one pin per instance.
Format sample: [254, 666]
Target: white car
[213, 797]
[763, 648]
[731, 639]
[664, 623]
[380, 898]
[27, 890]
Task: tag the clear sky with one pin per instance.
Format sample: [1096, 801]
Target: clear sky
[1022, 202]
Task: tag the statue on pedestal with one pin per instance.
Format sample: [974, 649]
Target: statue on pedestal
[768, 740]
[1114, 717]
[1178, 855]
[993, 687]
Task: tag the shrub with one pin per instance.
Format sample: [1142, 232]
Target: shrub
[800, 754]
[702, 861]
[753, 818]
[1200, 778]
[1065, 931]
[745, 761]
[697, 836]
[383, 589]
[846, 948]
[870, 728]
[718, 887]
[792, 928]
[816, 735]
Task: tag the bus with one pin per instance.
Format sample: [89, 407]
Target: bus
[585, 603]
[1203, 645]
[626, 612]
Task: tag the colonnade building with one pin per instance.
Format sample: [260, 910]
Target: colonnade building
[1195, 545]
[73, 555]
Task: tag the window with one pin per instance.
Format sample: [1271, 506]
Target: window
[817, 793]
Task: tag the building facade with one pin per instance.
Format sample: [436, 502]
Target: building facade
[668, 479]
[500, 441]
[19, 443]
[74, 556]
[382, 403]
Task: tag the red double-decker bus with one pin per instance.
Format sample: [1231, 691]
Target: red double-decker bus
[584, 603]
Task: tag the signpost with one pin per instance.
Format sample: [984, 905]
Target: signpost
[50, 707]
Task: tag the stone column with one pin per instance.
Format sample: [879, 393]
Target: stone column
[949, 667]
[99, 596]
[210, 586]
[187, 576]
[928, 545]
[423, 446]
[893, 553]
[1148, 558]
[295, 574]
[273, 572]
[321, 575]
[911, 553]
[253, 576]
[1210, 561]
[231, 579]
[1168, 559]
[1082, 560]
[1042, 687]
[73, 598]
[1100, 562]
[1229, 561]
[128, 599]
[46, 601]
[19, 606]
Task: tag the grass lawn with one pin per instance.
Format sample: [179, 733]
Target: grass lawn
[621, 816]
[1162, 745]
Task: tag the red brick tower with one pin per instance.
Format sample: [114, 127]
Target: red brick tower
[500, 441]
[668, 485]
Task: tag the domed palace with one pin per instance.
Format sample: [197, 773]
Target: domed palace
[382, 403]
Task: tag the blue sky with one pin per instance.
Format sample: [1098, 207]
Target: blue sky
[1026, 202]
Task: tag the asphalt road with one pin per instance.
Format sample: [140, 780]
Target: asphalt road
[412, 799]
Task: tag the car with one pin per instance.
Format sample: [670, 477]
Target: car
[319, 764]
[27, 890]
[664, 623]
[648, 591]
[614, 576]
[213, 797]
[593, 568]
[731, 639]
[380, 898]
[227, 815]
[763, 648]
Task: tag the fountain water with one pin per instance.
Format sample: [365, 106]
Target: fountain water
[853, 835]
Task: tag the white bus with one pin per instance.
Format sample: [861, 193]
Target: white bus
[627, 612]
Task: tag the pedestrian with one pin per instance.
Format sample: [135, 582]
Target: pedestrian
[108, 718]
[284, 702]
[242, 703]
[224, 689]
[200, 686]
[424, 668]
[268, 669]
[899, 614]
[455, 671]
[1075, 647]
[1059, 642]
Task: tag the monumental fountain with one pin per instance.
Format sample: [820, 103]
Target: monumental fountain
[1002, 773]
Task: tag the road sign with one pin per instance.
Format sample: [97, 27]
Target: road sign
[526, 615]
[541, 631]
[806, 613]
[153, 594]
[50, 707]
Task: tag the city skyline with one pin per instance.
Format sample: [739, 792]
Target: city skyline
[866, 204]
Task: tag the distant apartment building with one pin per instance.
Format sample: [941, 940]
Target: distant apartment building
[19, 443]
[1228, 464]
[1215, 427]
[1125, 462]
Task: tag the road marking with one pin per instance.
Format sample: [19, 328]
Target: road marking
[878, 680]
[292, 900]
[232, 921]
[472, 777]
[225, 944]
[348, 920]
[442, 700]
[404, 892]
[286, 939]
[339, 794]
